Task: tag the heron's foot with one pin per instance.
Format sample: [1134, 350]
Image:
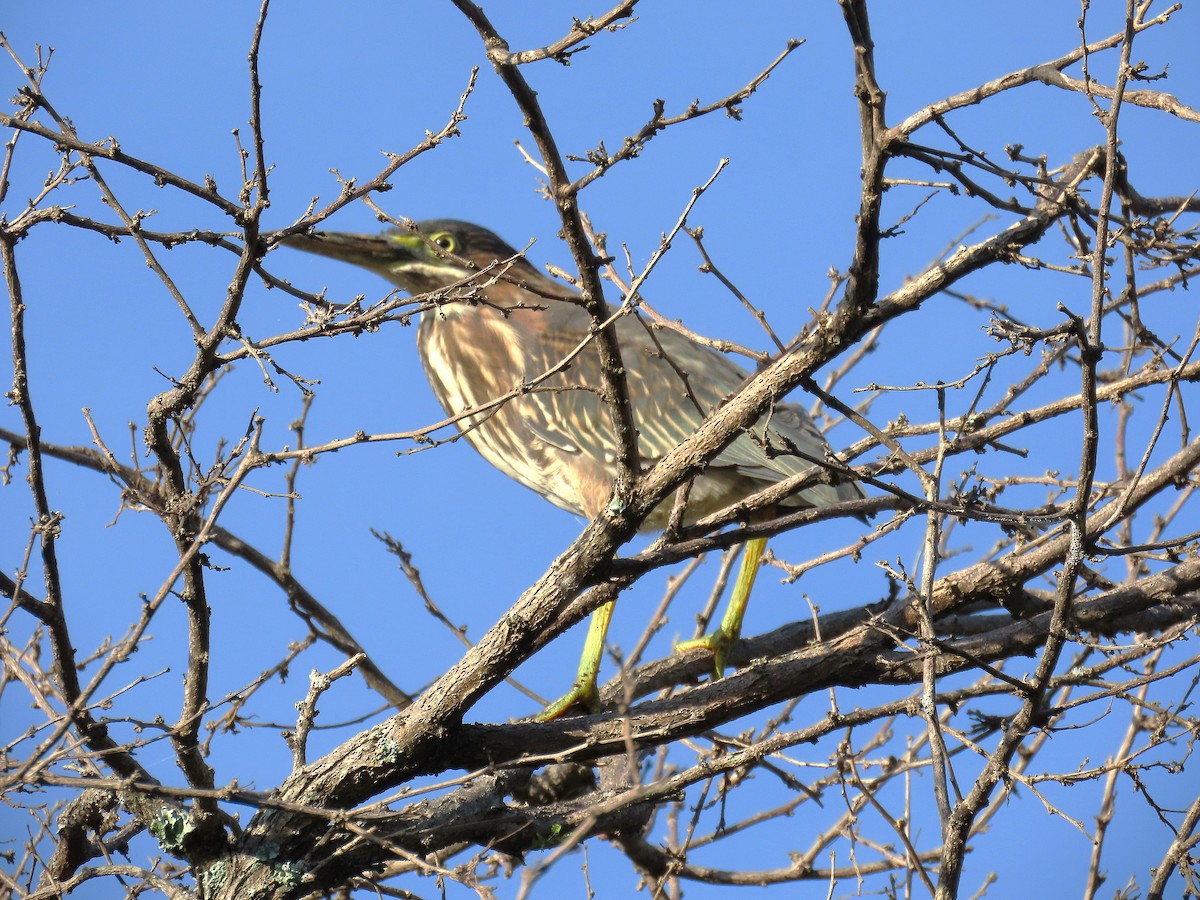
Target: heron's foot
[582, 696]
[717, 643]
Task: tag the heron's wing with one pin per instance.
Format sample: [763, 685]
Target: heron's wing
[674, 384]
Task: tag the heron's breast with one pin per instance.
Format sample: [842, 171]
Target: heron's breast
[474, 357]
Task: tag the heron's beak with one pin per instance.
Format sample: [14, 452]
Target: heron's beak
[380, 252]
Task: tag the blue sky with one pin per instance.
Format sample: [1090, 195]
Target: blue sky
[343, 85]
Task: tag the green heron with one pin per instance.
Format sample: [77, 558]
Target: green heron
[512, 325]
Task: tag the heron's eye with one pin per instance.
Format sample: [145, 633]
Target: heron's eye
[445, 241]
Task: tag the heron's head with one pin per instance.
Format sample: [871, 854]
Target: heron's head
[434, 254]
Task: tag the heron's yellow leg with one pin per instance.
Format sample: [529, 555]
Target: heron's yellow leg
[583, 692]
[718, 642]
